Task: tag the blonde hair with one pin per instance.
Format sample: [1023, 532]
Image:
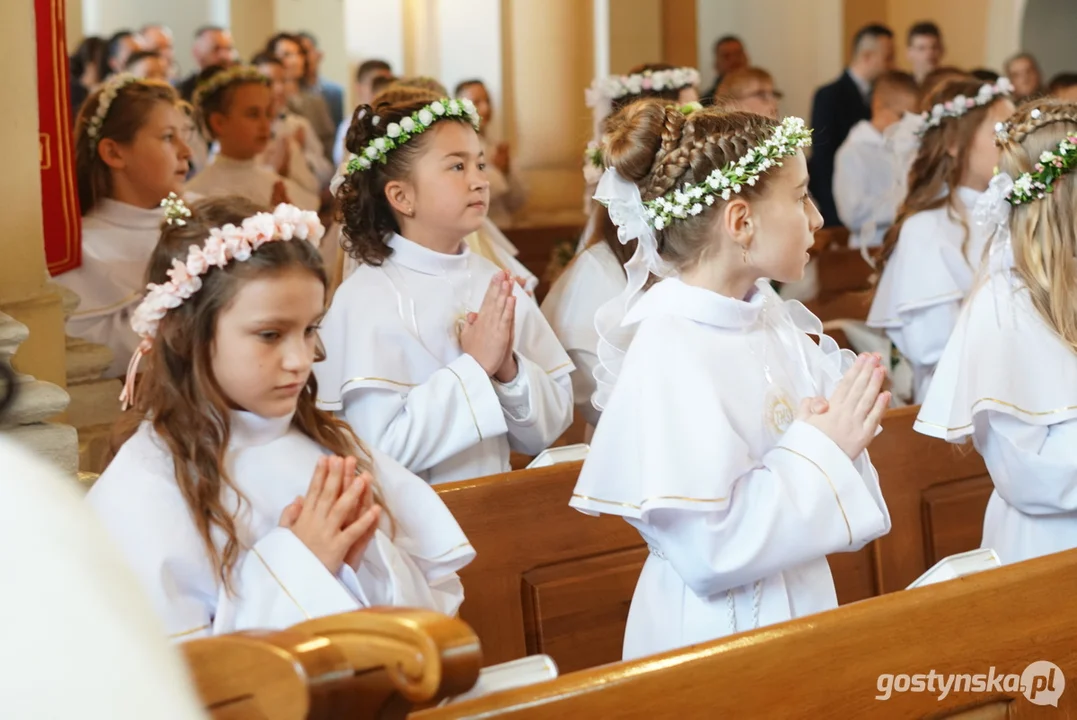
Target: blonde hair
[659, 148]
[1045, 230]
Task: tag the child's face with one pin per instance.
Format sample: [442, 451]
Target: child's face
[759, 97]
[785, 220]
[265, 341]
[983, 153]
[448, 183]
[244, 131]
[150, 68]
[155, 162]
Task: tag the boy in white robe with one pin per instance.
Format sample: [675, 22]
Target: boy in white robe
[865, 164]
[236, 108]
[716, 442]
[933, 251]
[434, 355]
[1007, 379]
[122, 181]
[223, 499]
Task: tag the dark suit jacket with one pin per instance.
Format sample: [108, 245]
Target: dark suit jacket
[835, 109]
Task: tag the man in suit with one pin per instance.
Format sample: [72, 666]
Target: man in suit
[839, 106]
[213, 46]
[729, 55]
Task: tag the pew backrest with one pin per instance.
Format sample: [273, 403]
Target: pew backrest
[872, 659]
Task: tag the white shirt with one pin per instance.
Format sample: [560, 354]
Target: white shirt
[411, 561]
[249, 179]
[593, 278]
[1009, 382]
[117, 242]
[864, 169]
[395, 369]
[919, 294]
[698, 449]
[74, 612]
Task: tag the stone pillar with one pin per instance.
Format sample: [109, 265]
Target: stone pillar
[31, 314]
[548, 59]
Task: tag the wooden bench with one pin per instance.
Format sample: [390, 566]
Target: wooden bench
[378, 663]
[536, 245]
[844, 663]
[551, 580]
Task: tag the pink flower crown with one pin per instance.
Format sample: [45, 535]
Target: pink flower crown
[224, 245]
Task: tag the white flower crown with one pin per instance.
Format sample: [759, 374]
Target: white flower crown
[960, 105]
[234, 74]
[109, 91]
[398, 133]
[786, 139]
[618, 86]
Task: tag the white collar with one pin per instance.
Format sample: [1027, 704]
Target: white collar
[422, 259]
[674, 297]
[866, 133]
[250, 430]
[861, 84]
[123, 215]
[968, 196]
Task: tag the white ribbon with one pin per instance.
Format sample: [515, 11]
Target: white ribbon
[625, 206]
[992, 211]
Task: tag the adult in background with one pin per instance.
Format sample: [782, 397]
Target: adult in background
[729, 55]
[1024, 72]
[213, 46]
[303, 99]
[88, 70]
[924, 49]
[1064, 86]
[331, 91]
[839, 106]
[148, 65]
[121, 46]
[750, 89]
[371, 77]
[158, 38]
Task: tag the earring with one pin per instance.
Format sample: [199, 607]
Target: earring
[744, 254]
[410, 213]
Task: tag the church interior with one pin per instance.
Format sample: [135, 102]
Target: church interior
[313, 312]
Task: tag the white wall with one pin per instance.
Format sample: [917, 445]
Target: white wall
[1048, 32]
[469, 44]
[799, 42]
[324, 20]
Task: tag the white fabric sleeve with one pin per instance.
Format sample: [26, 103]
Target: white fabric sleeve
[583, 383]
[925, 332]
[855, 205]
[538, 408]
[314, 153]
[807, 500]
[1033, 467]
[301, 197]
[299, 170]
[453, 410]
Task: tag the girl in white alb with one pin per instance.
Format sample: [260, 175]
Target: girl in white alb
[732, 442]
[932, 251]
[236, 109]
[433, 355]
[1008, 376]
[237, 502]
[129, 155]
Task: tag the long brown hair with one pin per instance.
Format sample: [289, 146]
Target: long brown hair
[126, 116]
[658, 147]
[178, 394]
[1045, 230]
[936, 172]
[366, 215]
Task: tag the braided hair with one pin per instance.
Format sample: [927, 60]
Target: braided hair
[660, 148]
[1044, 231]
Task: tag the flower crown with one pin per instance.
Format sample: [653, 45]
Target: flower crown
[1037, 184]
[234, 74]
[785, 140]
[594, 164]
[224, 245]
[109, 91]
[619, 86]
[960, 105]
[398, 133]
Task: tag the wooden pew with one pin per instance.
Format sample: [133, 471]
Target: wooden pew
[833, 664]
[551, 580]
[845, 289]
[536, 245]
[377, 663]
[286, 675]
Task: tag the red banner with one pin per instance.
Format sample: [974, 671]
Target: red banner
[59, 195]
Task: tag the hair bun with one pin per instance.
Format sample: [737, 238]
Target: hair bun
[636, 136]
[362, 130]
